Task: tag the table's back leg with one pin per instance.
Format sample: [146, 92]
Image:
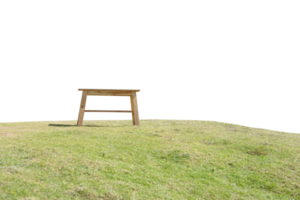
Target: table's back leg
[82, 108]
[87, 102]
[130, 106]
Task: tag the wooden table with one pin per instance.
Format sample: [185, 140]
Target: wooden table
[109, 92]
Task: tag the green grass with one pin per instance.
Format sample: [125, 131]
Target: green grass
[160, 159]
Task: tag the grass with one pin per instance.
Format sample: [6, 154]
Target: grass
[160, 159]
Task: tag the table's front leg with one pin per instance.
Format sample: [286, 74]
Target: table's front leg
[134, 108]
[82, 108]
[131, 106]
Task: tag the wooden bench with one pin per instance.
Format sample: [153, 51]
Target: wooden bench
[109, 92]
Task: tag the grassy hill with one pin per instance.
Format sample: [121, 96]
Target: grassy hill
[160, 159]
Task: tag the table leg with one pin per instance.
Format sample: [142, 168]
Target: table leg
[82, 107]
[131, 107]
[135, 102]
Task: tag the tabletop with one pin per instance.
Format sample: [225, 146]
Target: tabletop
[115, 90]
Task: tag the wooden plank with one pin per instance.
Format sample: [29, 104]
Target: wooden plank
[112, 90]
[131, 103]
[82, 107]
[106, 94]
[128, 111]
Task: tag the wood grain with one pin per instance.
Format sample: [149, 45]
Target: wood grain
[82, 108]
